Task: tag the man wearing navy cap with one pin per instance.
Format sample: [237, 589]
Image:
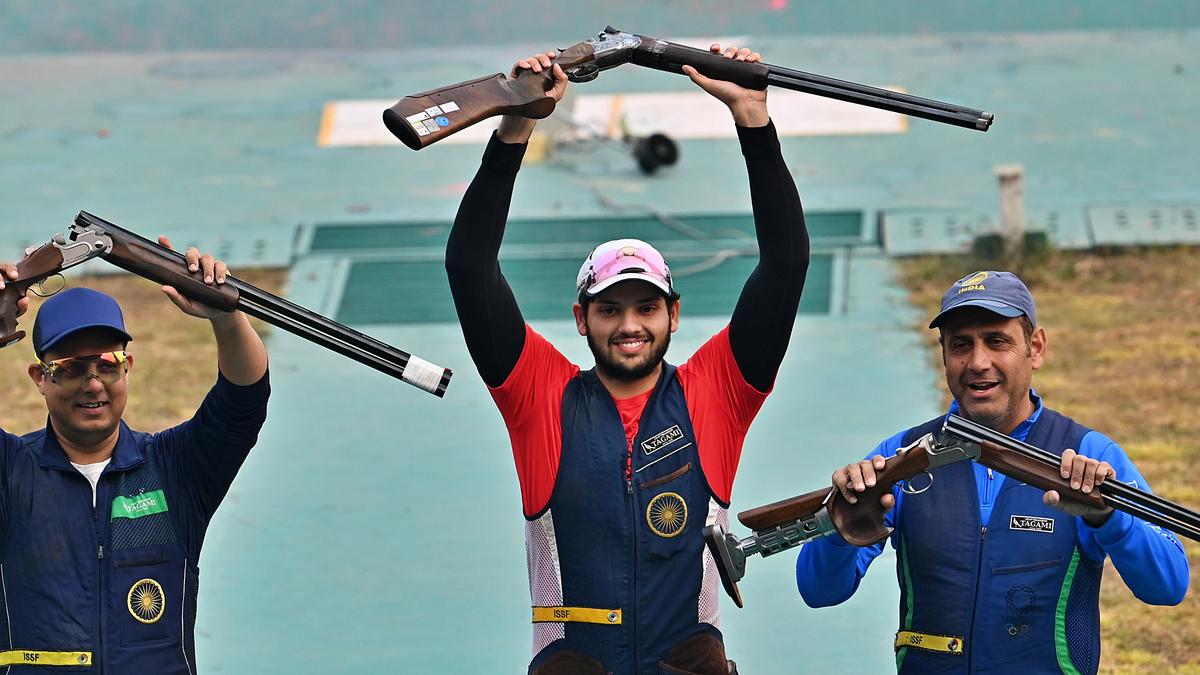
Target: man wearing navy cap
[100, 525]
[995, 575]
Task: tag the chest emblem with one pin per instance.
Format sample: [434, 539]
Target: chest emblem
[662, 439]
[146, 601]
[1031, 524]
[666, 514]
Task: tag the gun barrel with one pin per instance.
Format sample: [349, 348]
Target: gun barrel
[238, 294]
[668, 56]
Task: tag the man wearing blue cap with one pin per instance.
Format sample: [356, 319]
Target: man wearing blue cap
[100, 525]
[995, 575]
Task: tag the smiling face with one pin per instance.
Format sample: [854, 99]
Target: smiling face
[85, 416]
[989, 365]
[628, 328]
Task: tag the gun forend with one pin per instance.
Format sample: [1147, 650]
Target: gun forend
[152, 261]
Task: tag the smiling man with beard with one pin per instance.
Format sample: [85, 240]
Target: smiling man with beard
[622, 465]
[995, 575]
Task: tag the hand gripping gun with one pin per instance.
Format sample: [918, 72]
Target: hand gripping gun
[791, 522]
[92, 237]
[426, 118]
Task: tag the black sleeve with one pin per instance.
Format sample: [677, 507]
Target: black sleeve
[491, 321]
[766, 310]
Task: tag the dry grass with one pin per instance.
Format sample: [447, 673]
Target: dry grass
[175, 356]
[1124, 351]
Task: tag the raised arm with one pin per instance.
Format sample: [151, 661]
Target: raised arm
[241, 355]
[487, 310]
[762, 320]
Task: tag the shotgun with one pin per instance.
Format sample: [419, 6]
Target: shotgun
[428, 117]
[789, 523]
[93, 237]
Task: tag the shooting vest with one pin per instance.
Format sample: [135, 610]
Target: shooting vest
[1013, 597]
[104, 590]
[619, 570]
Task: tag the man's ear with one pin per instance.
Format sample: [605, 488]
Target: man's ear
[38, 376]
[673, 308]
[1037, 347]
[580, 313]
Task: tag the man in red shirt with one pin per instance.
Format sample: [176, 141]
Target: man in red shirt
[622, 465]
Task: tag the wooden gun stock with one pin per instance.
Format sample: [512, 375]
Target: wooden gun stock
[45, 261]
[785, 511]
[860, 524]
[426, 118]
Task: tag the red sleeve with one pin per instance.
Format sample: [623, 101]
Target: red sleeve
[722, 405]
[530, 401]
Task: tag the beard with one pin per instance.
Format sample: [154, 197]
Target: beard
[625, 371]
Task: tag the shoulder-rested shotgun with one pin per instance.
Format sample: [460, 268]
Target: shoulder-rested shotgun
[92, 237]
[426, 118]
[789, 523]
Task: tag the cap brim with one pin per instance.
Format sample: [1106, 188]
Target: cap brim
[47, 345]
[602, 286]
[1005, 310]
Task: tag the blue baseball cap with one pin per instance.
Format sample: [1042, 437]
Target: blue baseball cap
[999, 292]
[74, 310]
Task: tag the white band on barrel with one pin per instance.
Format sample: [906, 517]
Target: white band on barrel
[423, 374]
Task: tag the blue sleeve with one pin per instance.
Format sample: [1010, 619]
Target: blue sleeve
[202, 455]
[828, 570]
[1151, 560]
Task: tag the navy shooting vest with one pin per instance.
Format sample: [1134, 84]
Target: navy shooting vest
[1017, 591]
[630, 554]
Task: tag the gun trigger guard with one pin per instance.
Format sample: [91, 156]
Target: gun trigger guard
[39, 289]
[909, 490]
[584, 73]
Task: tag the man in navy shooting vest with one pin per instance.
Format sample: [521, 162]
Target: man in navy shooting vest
[996, 576]
[621, 466]
[101, 526]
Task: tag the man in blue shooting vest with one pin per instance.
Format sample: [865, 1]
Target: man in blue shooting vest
[996, 576]
[100, 525]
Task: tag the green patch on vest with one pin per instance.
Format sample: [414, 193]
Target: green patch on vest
[144, 504]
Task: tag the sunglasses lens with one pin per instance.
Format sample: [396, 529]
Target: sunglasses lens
[108, 367]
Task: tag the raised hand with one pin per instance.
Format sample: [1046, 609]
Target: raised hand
[749, 106]
[514, 129]
[9, 271]
[214, 272]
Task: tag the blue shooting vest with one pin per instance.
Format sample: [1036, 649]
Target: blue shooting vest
[633, 547]
[1017, 591]
[112, 585]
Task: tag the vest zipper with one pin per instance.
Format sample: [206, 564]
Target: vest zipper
[974, 607]
[633, 567]
[98, 659]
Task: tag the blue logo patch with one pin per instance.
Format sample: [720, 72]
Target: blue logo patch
[442, 121]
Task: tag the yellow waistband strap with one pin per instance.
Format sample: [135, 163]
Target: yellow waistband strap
[946, 644]
[36, 657]
[577, 615]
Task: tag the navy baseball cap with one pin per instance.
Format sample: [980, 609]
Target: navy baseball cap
[74, 310]
[999, 292]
